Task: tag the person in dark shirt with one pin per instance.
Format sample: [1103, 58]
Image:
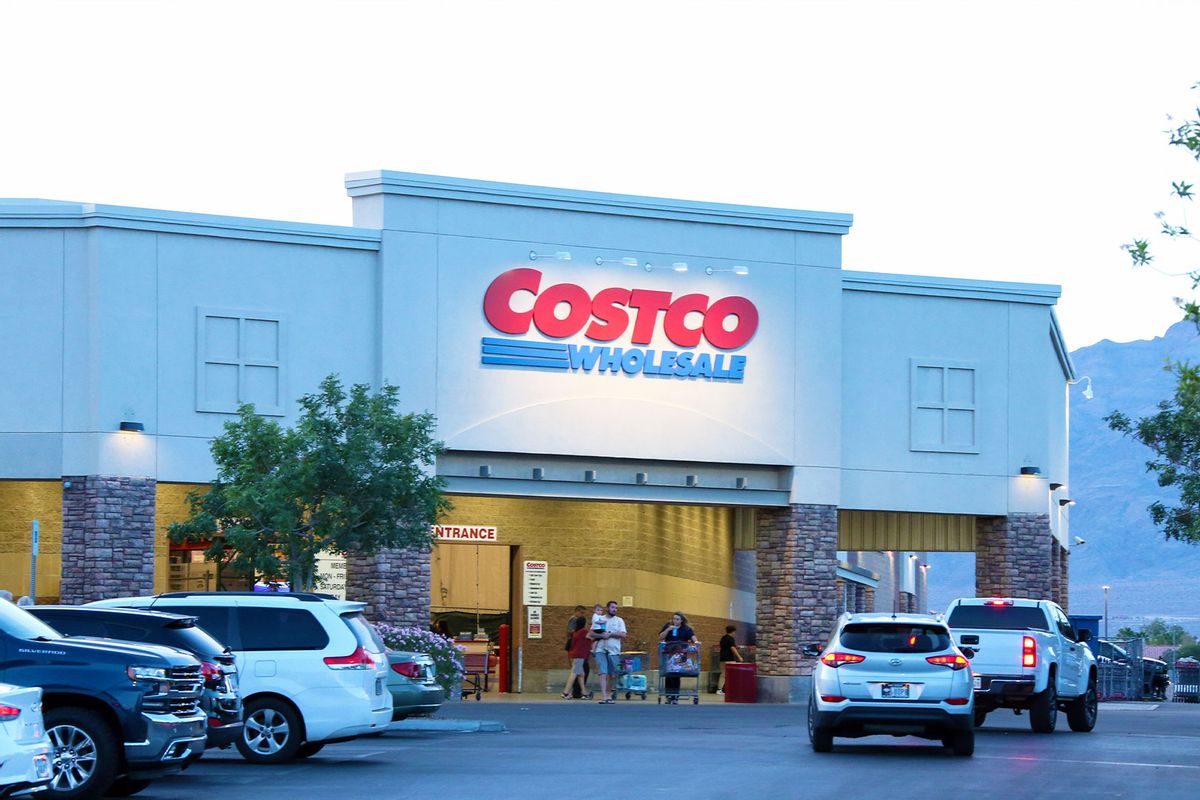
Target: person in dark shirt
[676, 630]
[729, 652]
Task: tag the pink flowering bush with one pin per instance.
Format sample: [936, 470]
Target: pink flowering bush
[446, 655]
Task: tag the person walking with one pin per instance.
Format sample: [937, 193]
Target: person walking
[677, 630]
[580, 647]
[579, 619]
[729, 652]
[606, 649]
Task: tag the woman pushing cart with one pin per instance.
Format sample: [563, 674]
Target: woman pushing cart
[678, 658]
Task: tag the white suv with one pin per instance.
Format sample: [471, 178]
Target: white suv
[312, 670]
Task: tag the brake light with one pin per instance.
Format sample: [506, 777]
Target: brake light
[954, 662]
[832, 698]
[957, 701]
[1000, 602]
[1028, 652]
[837, 659]
[8, 713]
[408, 669]
[359, 659]
[213, 674]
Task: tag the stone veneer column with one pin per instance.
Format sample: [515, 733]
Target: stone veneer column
[1013, 556]
[107, 538]
[394, 584]
[1064, 579]
[868, 600]
[796, 595]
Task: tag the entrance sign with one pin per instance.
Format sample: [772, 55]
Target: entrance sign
[535, 622]
[464, 533]
[331, 574]
[536, 583]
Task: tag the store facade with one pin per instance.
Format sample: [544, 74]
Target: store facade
[675, 405]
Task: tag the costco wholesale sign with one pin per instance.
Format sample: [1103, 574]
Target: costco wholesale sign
[696, 324]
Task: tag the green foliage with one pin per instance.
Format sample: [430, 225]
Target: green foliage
[353, 475]
[1158, 631]
[1188, 651]
[447, 656]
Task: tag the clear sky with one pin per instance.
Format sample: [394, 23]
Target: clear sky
[1014, 141]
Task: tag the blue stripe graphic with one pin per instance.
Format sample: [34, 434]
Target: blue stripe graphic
[513, 361]
[521, 353]
[557, 346]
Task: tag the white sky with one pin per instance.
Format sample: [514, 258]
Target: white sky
[996, 140]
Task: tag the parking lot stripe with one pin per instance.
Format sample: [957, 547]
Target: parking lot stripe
[1094, 763]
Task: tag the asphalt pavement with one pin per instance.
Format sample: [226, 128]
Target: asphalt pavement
[531, 748]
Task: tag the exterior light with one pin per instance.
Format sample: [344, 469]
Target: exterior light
[589, 475]
[1054, 487]
[1031, 471]
[678, 266]
[736, 270]
[557, 255]
[132, 427]
[642, 478]
[1066, 502]
[485, 471]
[693, 480]
[741, 483]
[538, 473]
[627, 261]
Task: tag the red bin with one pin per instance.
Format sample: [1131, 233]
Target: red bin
[741, 682]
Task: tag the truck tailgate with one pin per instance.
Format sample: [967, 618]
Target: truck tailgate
[996, 652]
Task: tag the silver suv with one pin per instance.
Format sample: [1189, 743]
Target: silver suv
[897, 674]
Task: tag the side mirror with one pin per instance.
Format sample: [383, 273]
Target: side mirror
[811, 650]
[969, 652]
[1084, 635]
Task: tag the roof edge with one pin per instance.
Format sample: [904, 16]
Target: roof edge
[1036, 293]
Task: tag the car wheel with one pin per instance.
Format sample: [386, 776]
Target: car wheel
[126, 787]
[309, 749]
[1043, 714]
[271, 732]
[820, 736]
[962, 743]
[980, 716]
[1081, 714]
[83, 756]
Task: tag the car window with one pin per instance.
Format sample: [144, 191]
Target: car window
[989, 617]
[195, 639]
[1064, 625]
[364, 633]
[75, 625]
[263, 628]
[213, 619]
[19, 623]
[130, 633]
[890, 637]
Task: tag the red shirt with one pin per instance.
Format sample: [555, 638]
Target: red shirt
[581, 646]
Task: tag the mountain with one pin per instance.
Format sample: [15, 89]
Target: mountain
[1149, 576]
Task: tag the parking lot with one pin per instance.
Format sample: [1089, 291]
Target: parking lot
[639, 749]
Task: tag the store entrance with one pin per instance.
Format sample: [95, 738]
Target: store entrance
[470, 595]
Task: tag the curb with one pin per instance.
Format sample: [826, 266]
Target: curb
[449, 725]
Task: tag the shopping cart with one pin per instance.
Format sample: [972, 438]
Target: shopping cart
[678, 661]
[630, 678]
[1187, 681]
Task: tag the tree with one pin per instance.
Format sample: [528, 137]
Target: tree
[1173, 433]
[1157, 631]
[354, 474]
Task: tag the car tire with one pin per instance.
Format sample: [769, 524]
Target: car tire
[83, 753]
[980, 718]
[309, 749]
[271, 733]
[1082, 713]
[962, 743]
[126, 787]
[820, 736]
[1043, 714]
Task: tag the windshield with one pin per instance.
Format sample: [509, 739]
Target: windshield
[998, 618]
[20, 624]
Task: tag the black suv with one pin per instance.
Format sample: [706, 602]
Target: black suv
[220, 702]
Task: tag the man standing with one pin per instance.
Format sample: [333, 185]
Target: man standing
[729, 652]
[607, 649]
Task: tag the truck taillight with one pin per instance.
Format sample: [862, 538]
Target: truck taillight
[837, 659]
[1028, 652]
[359, 659]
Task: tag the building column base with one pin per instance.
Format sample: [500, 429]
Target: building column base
[792, 689]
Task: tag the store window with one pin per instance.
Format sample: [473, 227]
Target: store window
[239, 360]
[944, 409]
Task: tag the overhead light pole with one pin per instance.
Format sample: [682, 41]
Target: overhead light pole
[1105, 587]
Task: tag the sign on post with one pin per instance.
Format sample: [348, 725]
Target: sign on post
[33, 557]
[535, 622]
[536, 582]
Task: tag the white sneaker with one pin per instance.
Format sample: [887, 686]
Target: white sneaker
[720, 691]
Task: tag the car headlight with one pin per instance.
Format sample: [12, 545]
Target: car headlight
[146, 673]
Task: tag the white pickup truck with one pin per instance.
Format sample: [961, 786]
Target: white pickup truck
[1026, 655]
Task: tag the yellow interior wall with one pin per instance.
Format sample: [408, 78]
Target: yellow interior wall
[171, 505]
[664, 556]
[21, 502]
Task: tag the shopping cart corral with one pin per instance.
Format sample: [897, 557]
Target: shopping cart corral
[681, 661]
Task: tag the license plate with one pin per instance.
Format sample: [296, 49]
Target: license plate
[978, 682]
[895, 691]
[41, 765]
